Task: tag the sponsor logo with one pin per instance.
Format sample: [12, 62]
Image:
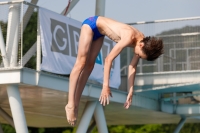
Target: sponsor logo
[60, 42]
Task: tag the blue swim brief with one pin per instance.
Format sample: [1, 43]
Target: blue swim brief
[91, 21]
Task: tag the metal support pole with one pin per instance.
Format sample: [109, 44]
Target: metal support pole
[180, 125]
[100, 119]
[87, 115]
[91, 127]
[3, 49]
[100, 7]
[17, 109]
[28, 13]
[174, 102]
[13, 34]
[38, 45]
[7, 117]
[38, 50]
[72, 4]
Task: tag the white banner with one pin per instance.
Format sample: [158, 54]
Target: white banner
[59, 38]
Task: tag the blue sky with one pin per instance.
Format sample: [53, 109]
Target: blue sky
[129, 11]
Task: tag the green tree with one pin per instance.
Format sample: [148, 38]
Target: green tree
[7, 128]
[29, 38]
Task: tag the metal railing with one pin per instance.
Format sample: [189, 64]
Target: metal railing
[181, 38]
[18, 33]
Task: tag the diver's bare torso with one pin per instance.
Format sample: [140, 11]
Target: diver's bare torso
[117, 31]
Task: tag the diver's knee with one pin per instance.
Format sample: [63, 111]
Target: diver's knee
[78, 67]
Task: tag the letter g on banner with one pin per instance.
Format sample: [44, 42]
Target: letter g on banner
[59, 37]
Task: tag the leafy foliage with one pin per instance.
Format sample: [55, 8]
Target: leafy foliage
[29, 38]
[150, 128]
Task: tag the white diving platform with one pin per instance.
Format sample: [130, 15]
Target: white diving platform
[44, 100]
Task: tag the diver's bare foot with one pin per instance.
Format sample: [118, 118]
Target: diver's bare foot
[71, 113]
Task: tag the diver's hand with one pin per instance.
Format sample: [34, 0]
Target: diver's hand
[128, 100]
[105, 93]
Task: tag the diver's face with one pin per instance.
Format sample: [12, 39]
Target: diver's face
[138, 51]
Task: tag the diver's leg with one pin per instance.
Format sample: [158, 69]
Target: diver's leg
[85, 40]
[94, 50]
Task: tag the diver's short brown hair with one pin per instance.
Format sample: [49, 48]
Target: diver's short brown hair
[153, 48]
